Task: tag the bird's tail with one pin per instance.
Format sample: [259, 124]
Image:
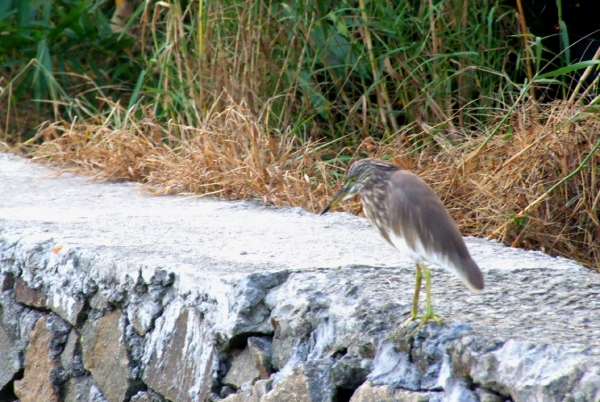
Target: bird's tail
[468, 271]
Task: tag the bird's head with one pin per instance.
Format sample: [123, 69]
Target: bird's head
[360, 174]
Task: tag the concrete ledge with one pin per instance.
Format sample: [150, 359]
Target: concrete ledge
[110, 294]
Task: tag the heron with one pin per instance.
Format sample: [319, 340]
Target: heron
[411, 217]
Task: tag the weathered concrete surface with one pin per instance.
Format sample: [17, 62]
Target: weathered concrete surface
[191, 280]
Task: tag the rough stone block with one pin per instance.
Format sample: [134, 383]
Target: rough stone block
[147, 298]
[96, 395]
[60, 330]
[28, 296]
[147, 396]
[485, 395]
[251, 364]
[10, 362]
[254, 394]
[179, 354]
[67, 306]
[77, 389]
[383, 393]
[308, 382]
[36, 384]
[349, 372]
[48, 280]
[7, 281]
[70, 358]
[394, 367]
[16, 323]
[242, 371]
[105, 356]
[142, 312]
[262, 350]
[527, 372]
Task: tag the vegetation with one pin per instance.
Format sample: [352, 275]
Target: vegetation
[272, 100]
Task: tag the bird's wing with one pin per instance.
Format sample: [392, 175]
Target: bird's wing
[421, 223]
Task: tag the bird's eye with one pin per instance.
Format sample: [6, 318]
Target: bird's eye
[351, 180]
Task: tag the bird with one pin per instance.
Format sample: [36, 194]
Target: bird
[411, 217]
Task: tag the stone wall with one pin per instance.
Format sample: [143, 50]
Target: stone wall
[106, 295]
[67, 333]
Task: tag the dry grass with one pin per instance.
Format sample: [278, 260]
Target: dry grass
[231, 155]
[487, 195]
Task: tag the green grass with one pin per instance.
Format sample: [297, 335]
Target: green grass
[321, 71]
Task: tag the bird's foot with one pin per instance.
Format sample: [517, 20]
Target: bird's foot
[424, 319]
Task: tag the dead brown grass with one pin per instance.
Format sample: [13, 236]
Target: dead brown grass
[487, 195]
[231, 155]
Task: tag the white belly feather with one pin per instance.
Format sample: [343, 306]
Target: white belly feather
[420, 255]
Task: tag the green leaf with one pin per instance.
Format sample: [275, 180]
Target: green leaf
[564, 39]
[69, 20]
[136, 90]
[25, 13]
[565, 70]
[42, 69]
[538, 53]
[508, 134]
[5, 10]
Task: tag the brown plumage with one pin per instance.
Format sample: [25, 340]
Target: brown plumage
[412, 218]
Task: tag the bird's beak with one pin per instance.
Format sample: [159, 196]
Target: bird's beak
[340, 196]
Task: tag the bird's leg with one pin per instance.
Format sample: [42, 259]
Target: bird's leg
[429, 314]
[415, 304]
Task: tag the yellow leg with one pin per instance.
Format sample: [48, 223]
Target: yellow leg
[415, 304]
[429, 314]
